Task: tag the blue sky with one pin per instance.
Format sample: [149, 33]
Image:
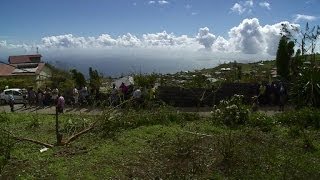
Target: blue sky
[30, 20]
[205, 29]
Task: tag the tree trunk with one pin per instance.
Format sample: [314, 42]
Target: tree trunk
[58, 135]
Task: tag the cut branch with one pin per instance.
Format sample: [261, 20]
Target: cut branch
[33, 141]
[76, 136]
[198, 134]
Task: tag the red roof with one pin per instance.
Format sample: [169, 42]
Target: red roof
[7, 70]
[22, 58]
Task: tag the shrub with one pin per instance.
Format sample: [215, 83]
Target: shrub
[305, 89]
[231, 112]
[34, 123]
[262, 121]
[73, 125]
[6, 146]
[118, 120]
[6, 143]
[307, 117]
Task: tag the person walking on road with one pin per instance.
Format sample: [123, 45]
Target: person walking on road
[11, 102]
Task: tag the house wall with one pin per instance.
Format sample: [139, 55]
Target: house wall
[25, 81]
[44, 76]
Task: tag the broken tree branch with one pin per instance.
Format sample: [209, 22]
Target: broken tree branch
[76, 136]
[70, 139]
[198, 134]
[27, 139]
[33, 141]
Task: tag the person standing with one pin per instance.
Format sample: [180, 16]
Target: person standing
[25, 101]
[54, 96]
[11, 102]
[60, 104]
[114, 95]
[137, 96]
[40, 98]
[124, 90]
[75, 93]
[282, 97]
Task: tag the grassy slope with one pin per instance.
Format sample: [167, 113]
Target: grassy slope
[166, 151]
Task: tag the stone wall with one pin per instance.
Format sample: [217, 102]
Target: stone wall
[182, 97]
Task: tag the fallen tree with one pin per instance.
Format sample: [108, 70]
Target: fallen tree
[59, 137]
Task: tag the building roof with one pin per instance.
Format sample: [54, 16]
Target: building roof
[6, 70]
[22, 58]
[21, 70]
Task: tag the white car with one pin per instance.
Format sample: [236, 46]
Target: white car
[17, 95]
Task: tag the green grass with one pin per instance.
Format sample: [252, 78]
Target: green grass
[170, 150]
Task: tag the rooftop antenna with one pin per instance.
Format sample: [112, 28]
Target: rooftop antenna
[37, 50]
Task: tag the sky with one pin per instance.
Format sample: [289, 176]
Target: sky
[187, 33]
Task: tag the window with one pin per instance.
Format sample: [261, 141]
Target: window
[8, 92]
[16, 93]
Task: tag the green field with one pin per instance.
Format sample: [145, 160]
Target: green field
[167, 144]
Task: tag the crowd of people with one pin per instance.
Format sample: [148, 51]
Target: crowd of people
[80, 97]
[272, 94]
[136, 94]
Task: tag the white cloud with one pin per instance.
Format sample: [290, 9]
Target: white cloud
[249, 37]
[151, 2]
[163, 2]
[238, 8]
[221, 44]
[3, 43]
[265, 4]
[248, 3]
[66, 41]
[103, 40]
[128, 40]
[194, 13]
[163, 39]
[303, 17]
[242, 6]
[205, 38]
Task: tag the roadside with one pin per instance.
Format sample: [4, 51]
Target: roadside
[203, 111]
[50, 110]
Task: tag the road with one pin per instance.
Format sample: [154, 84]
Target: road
[50, 110]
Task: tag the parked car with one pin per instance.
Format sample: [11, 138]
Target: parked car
[17, 95]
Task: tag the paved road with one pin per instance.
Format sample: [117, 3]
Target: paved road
[50, 110]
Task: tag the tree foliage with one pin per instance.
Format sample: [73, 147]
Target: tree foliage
[78, 78]
[306, 89]
[60, 79]
[284, 54]
[145, 80]
[95, 80]
[306, 86]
